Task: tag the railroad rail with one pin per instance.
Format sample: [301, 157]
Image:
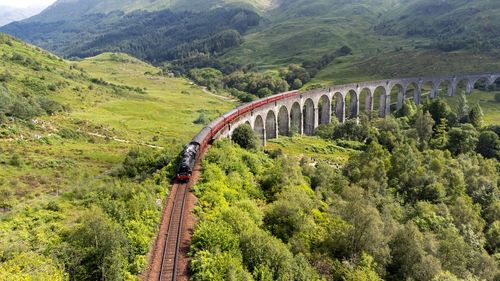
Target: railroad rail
[170, 256]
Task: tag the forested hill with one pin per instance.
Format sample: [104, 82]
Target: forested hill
[451, 25]
[63, 10]
[272, 33]
[154, 36]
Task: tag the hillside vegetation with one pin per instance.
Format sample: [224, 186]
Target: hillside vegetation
[271, 33]
[416, 199]
[87, 149]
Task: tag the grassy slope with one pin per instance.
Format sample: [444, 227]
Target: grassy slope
[161, 117]
[486, 100]
[64, 9]
[303, 31]
[311, 147]
[109, 121]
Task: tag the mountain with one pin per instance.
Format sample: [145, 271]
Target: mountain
[82, 29]
[63, 10]
[9, 14]
[451, 25]
[270, 34]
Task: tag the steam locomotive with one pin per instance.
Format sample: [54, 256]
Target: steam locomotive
[195, 148]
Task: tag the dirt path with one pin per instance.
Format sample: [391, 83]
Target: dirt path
[205, 90]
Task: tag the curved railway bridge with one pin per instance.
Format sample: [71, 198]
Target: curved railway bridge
[301, 112]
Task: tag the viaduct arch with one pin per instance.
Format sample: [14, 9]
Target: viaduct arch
[304, 112]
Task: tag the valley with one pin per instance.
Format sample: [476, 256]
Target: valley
[98, 99]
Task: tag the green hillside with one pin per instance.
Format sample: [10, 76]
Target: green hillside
[271, 34]
[79, 143]
[451, 25]
[68, 9]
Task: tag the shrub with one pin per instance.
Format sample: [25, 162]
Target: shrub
[497, 97]
[201, 120]
[16, 160]
[24, 109]
[141, 162]
[245, 137]
[49, 106]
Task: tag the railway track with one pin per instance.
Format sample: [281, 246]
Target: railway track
[170, 257]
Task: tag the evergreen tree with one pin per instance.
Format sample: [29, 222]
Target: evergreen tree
[423, 125]
[463, 109]
[440, 138]
[476, 116]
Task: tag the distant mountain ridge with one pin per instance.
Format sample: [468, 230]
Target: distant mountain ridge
[266, 33]
[71, 9]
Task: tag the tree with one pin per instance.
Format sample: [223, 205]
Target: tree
[497, 97]
[409, 259]
[463, 109]
[440, 139]
[438, 108]
[462, 139]
[96, 249]
[288, 214]
[476, 116]
[489, 144]
[423, 125]
[245, 137]
[408, 109]
[297, 84]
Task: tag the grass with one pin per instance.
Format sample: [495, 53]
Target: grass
[110, 116]
[312, 147]
[486, 100]
[166, 111]
[116, 103]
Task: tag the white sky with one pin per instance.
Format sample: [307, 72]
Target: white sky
[26, 3]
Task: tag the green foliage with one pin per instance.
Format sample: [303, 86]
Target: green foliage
[245, 137]
[210, 32]
[201, 120]
[438, 108]
[463, 109]
[424, 124]
[31, 266]
[351, 130]
[258, 84]
[408, 109]
[462, 139]
[96, 249]
[476, 116]
[295, 75]
[489, 144]
[141, 162]
[209, 77]
[497, 97]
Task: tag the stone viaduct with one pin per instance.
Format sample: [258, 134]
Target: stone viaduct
[304, 112]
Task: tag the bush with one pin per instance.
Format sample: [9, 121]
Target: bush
[67, 133]
[489, 145]
[49, 106]
[497, 97]
[16, 160]
[201, 120]
[141, 162]
[24, 109]
[245, 137]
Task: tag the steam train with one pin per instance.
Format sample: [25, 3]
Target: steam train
[197, 146]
